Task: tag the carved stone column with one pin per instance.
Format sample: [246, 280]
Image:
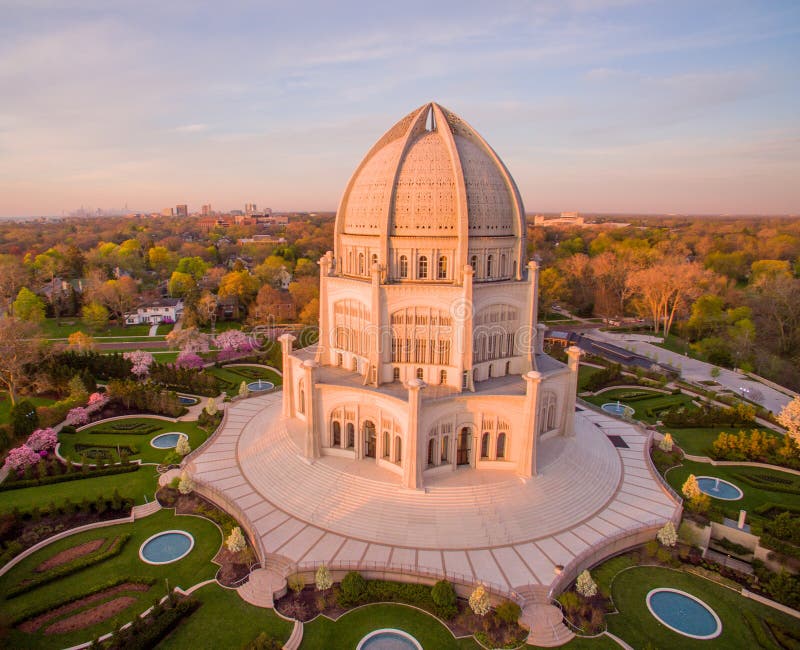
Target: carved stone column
[288, 385]
[526, 466]
[573, 361]
[541, 328]
[533, 305]
[412, 467]
[311, 447]
[324, 343]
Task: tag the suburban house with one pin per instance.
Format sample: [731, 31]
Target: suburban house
[162, 310]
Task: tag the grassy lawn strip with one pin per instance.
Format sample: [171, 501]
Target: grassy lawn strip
[53, 330]
[231, 378]
[193, 568]
[584, 372]
[111, 548]
[5, 405]
[646, 409]
[347, 631]
[133, 485]
[639, 628]
[107, 443]
[224, 620]
[595, 643]
[753, 496]
[697, 442]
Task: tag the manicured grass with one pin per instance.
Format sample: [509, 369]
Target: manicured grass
[131, 485]
[584, 372]
[146, 452]
[231, 378]
[641, 406]
[224, 620]
[347, 631]
[190, 570]
[594, 643]
[639, 628]
[697, 442]
[753, 496]
[5, 405]
[69, 325]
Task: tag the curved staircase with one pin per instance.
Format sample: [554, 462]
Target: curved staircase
[544, 619]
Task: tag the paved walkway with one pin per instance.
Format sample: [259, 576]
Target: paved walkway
[480, 526]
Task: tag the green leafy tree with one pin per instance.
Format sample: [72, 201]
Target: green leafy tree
[28, 306]
[95, 316]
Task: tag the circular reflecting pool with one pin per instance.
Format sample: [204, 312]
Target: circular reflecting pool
[167, 440]
[388, 639]
[719, 488]
[260, 385]
[683, 613]
[166, 547]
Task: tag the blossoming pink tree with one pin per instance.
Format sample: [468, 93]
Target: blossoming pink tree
[233, 343]
[42, 440]
[187, 359]
[77, 416]
[141, 362]
[98, 400]
[22, 457]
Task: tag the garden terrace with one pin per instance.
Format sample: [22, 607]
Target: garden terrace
[698, 441]
[647, 408]
[230, 377]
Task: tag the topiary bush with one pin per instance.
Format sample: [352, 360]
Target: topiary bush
[444, 599]
[353, 589]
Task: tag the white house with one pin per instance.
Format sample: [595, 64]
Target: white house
[163, 310]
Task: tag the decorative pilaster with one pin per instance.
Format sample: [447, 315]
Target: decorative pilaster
[526, 466]
[288, 383]
[541, 328]
[464, 313]
[372, 374]
[573, 362]
[412, 467]
[533, 306]
[311, 448]
[325, 265]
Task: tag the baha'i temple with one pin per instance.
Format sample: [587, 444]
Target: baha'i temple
[427, 434]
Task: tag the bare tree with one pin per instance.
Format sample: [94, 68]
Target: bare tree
[21, 346]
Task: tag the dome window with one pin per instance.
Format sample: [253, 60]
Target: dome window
[403, 266]
[442, 268]
[489, 266]
[422, 268]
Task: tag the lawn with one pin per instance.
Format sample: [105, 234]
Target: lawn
[639, 628]
[5, 405]
[584, 372]
[141, 443]
[347, 631]
[190, 570]
[53, 330]
[753, 496]
[132, 485]
[697, 442]
[594, 643]
[658, 401]
[229, 379]
[224, 620]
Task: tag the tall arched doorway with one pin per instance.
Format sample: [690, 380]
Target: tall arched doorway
[464, 446]
[336, 440]
[351, 435]
[370, 442]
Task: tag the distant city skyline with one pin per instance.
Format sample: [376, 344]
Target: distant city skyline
[594, 105]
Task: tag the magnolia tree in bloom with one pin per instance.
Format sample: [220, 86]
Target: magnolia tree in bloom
[235, 542]
[98, 400]
[666, 443]
[211, 406]
[183, 447]
[691, 489]
[42, 440]
[585, 585]
[479, 601]
[189, 360]
[667, 535]
[22, 457]
[233, 343]
[77, 416]
[322, 579]
[140, 362]
[186, 484]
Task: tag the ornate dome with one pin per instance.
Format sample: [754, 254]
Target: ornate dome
[430, 175]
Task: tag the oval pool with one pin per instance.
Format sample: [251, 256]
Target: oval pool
[388, 639]
[168, 546]
[167, 440]
[260, 385]
[187, 400]
[719, 488]
[683, 613]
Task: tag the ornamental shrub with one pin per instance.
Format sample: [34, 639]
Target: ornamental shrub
[666, 443]
[296, 583]
[183, 448]
[691, 489]
[508, 612]
[444, 598]
[353, 588]
[236, 541]
[185, 484]
[42, 440]
[77, 416]
[21, 458]
[585, 585]
[479, 601]
[24, 419]
[322, 579]
[667, 535]
[244, 391]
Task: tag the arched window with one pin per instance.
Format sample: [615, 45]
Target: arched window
[464, 446]
[336, 437]
[445, 448]
[548, 412]
[398, 450]
[387, 448]
[420, 373]
[350, 261]
[395, 374]
[361, 263]
[501, 446]
[339, 359]
[503, 265]
[403, 266]
[489, 266]
[443, 376]
[351, 435]
[485, 445]
[355, 364]
[442, 268]
[508, 367]
[422, 268]
[490, 370]
[473, 262]
[370, 440]
[431, 452]
[374, 261]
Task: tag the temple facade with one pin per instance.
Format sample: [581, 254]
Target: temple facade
[429, 356]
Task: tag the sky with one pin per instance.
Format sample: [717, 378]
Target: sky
[594, 105]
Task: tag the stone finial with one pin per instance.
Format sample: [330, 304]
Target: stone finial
[415, 384]
[533, 375]
[310, 363]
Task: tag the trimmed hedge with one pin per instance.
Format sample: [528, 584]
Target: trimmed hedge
[146, 633]
[143, 431]
[75, 475]
[78, 564]
[753, 481]
[38, 611]
[768, 508]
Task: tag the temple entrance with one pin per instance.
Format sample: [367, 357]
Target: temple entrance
[464, 446]
[369, 439]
